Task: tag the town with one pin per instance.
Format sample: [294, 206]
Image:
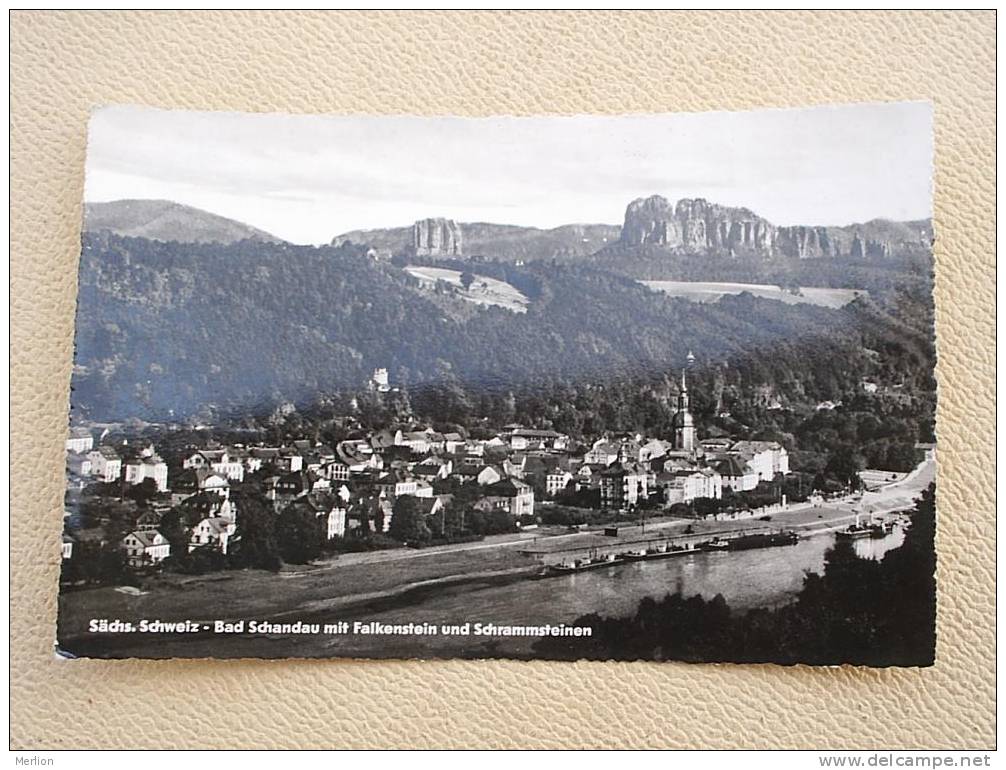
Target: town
[131, 501]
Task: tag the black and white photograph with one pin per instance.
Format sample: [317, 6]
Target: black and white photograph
[634, 387]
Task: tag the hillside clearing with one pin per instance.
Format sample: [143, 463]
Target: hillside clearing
[483, 291]
[703, 291]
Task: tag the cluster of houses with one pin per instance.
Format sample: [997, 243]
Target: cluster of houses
[360, 482]
[630, 469]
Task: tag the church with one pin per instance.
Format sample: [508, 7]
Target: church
[684, 468]
[684, 438]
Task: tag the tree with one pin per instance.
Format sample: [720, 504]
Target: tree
[143, 492]
[845, 465]
[467, 279]
[96, 563]
[255, 545]
[173, 526]
[298, 534]
[705, 506]
[454, 520]
[408, 522]
[499, 522]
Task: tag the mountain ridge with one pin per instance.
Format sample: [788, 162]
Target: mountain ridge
[689, 226]
[489, 239]
[651, 226]
[165, 220]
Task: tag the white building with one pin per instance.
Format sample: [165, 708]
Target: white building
[192, 482]
[379, 379]
[423, 489]
[106, 464]
[350, 457]
[652, 450]
[80, 441]
[148, 465]
[688, 485]
[766, 458]
[329, 511]
[603, 452]
[515, 497]
[335, 522]
[623, 485]
[556, 481]
[145, 548]
[212, 532]
[78, 464]
[513, 466]
[219, 461]
[528, 438]
[337, 470]
[453, 442]
[737, 474]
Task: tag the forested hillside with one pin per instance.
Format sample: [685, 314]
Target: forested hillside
[168, 330]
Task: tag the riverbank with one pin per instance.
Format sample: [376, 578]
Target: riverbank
[260, 594]
[398, 581]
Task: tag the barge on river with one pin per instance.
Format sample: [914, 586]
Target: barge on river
[664, 550]
[747, 542]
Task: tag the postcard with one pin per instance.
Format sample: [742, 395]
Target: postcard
[639, 387]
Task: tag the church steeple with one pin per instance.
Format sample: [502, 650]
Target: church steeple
[684, 424]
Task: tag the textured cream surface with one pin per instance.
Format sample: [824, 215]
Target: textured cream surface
[65, 63]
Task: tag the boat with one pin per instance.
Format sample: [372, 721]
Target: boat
[716, 544]
[852, 532]
[561, 567]
[581, 565]
[855, 531]
[881, 529]
[762, 540]
[637, 555]
[603, 561]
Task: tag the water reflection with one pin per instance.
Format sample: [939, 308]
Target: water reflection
[767, 577]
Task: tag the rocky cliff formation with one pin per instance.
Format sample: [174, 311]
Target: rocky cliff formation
[492, 241]
[696, 226]
[436, 238]
[691, 226]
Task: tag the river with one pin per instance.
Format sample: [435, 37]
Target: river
[757, 578]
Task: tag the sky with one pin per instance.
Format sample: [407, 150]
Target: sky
[308, 178]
